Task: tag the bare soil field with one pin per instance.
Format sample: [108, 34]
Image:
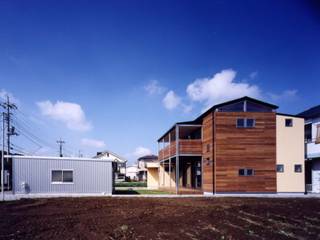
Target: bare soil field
[160, 218]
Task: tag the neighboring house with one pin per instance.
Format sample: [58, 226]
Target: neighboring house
[119, 163]
[142, 166]
[61, 175]
[233, 147]
[132, 172]
[312, 148]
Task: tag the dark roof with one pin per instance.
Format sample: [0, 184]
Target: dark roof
[198, 119]
[234, 101]
[148, 158]
[289, 115]
[311, 112]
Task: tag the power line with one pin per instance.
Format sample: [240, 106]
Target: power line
[28, 132]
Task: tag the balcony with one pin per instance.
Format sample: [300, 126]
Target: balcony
[312, 149]
[190, 146]
[189, 143]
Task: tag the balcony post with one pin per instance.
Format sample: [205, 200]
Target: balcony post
[162, 147]
[177, 159]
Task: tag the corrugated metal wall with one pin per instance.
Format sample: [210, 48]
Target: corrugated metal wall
[89, 176]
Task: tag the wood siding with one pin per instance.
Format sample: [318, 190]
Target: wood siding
[245, 148]
[190, 146]
[207, 154]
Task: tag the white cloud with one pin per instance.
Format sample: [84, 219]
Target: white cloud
[221, 87]
[171, 100]
[153, 88]
[253, 75]
[4, 94]
[285, 95]
[187, 108]
[88, 142]
[141, 151]
[69, 113]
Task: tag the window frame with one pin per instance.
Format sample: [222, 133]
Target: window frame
[253, 122]
[245, 123]
[295, 170]
[288, 119]
[61, 182]
[278, 165]
[245, 172]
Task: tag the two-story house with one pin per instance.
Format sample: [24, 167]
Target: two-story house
[119, 163]
[312, 148]
[240, 146]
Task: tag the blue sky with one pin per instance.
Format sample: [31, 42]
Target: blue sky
[117, 74]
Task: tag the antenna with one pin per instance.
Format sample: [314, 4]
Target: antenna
[60, 142]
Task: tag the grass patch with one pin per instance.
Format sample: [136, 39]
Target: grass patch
[131, 184]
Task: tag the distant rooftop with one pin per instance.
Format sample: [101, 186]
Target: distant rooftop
[148, 158]
[313, 112]
[107, 152]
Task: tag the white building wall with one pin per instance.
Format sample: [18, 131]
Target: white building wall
[290, 151]
[131, 172]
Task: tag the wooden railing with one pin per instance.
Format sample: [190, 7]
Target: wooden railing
[186, 146]
[190, 146]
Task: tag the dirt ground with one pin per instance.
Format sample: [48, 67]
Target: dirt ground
[165, 218]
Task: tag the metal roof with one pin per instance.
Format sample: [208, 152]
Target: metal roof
[313, 112]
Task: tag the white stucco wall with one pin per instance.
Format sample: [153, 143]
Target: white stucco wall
[290, 151]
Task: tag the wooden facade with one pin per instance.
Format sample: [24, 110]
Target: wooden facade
[208, 154]
[239, 148]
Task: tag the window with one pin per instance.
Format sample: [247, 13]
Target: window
[249, 172]
[297, 168]
[250, 122]
[246, 172]
[280, 168]
[255, 107]
[289, 122]
[308, 132]
[56, 176]
[62, 176]
[241, 172]
[318, 134]
[67, 176]
[245, 123]
[240, 122]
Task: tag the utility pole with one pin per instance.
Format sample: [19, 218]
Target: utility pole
[60, 142]
[2, 159]
[80, 155]
[8, 106]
